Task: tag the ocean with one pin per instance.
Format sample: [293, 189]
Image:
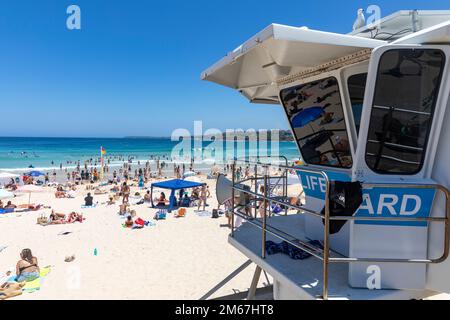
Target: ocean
[19, 154]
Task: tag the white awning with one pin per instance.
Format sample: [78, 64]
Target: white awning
[438, 34]
[278, 52]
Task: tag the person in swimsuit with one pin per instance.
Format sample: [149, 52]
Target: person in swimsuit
[162, 200]
[27, 268]
[125, 193]
[204, 194]
[147, 197]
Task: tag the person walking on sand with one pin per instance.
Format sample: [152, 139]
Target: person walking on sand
[204, 194]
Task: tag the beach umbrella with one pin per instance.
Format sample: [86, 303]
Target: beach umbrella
[8, 175]
[306, 116]
[30, 188]
[189, 174]
[35, 174]
[4, 194]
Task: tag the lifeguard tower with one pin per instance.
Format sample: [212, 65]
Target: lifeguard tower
[369, 112]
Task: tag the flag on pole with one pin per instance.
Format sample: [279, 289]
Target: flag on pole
[102, 153]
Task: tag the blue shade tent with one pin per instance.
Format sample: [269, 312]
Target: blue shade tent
[35, 174]
[174, 185]
[307, 116]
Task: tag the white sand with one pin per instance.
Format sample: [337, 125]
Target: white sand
[179, 258]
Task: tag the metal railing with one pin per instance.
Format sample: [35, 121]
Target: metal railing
[325, 254]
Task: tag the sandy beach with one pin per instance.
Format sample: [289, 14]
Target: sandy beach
[178, 258]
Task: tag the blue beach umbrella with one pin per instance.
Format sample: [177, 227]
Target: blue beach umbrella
[307, 116]
[35, 174]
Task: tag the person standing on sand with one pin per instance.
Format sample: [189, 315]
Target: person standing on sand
[204, 194]
[125, 192]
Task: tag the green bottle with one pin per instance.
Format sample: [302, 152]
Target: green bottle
[95, 252]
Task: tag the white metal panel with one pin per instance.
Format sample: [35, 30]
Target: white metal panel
[277, 52]
[438, 34]
[402, 23]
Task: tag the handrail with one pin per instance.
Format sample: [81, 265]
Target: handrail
[324, 254]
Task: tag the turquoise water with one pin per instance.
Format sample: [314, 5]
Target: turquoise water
[17, 154]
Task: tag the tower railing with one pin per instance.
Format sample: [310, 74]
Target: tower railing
[325, 254]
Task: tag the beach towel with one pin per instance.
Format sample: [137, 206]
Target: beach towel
[4, 211]
[204, 213]
[290, 250]
[88, 207]
[35, 285]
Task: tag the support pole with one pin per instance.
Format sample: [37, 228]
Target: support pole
[226, 280]
[326, 244]
[254, 285]
[256, 191]
[264, 218]
[233, 167]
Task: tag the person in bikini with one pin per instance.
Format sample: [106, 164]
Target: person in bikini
[27, 268]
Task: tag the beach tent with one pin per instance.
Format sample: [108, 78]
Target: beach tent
[35, 174]
[174, 185]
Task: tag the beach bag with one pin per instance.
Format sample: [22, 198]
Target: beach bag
[345, 199]
[276, 209]
[140, 222]
[181, 212]
[161, 215]
[42, 220]
[215, 214]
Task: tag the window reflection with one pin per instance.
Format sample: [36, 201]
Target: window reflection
[316, 116]
[405, 97]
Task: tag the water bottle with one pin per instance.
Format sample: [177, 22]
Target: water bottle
[95, 252]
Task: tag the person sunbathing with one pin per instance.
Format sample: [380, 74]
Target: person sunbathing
[30, 207]
[123, 209]
[60, 193]
[9, 205]
[111, 201]
[129, 222]
[57, 218]
[11, 289]
[75, 217]
[98, 191]
[27, 268]
[147, 197]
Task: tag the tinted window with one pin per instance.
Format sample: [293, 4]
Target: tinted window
[405, 98]
[356, 87]
[316, 116]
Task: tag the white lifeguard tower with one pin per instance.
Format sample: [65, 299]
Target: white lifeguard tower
[369, 107]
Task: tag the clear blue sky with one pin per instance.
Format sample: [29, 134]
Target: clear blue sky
[134, 68]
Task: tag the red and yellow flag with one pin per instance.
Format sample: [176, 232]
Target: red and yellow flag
[103, 151]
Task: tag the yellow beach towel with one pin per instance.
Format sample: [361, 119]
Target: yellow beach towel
[35, 285]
